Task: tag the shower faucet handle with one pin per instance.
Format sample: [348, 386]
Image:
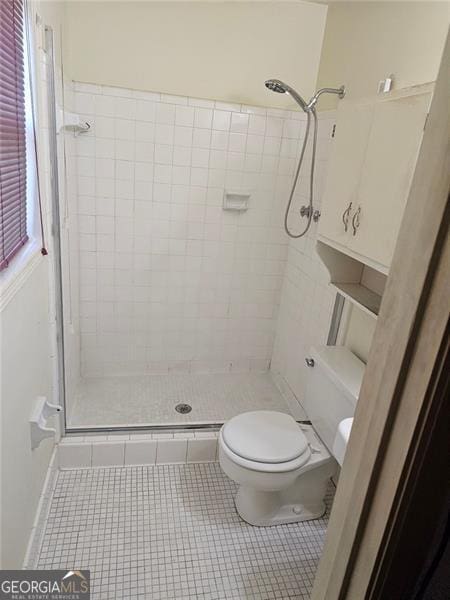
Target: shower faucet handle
[310, 362]
[305, 211]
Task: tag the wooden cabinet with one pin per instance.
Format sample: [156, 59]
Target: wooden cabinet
[372, 163]
[344, 169]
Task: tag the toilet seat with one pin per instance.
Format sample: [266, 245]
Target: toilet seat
[265, 441]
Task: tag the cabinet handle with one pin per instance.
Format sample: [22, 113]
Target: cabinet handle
[345, 216]
[355, 220]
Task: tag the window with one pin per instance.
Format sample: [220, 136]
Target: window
[13, 163]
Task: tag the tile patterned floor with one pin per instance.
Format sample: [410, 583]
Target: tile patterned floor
[171, 532]
[151, 399]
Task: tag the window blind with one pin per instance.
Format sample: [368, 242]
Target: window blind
[13, 168]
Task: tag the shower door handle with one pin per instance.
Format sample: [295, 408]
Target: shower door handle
[355, 220]
[346, 216]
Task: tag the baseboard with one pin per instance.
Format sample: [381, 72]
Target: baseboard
[35, 539]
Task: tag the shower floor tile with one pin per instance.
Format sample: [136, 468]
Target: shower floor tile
[172, 532]
[151, 399]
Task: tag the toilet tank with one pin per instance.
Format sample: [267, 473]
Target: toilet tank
[332, 389]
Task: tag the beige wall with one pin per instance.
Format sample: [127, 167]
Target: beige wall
[365, 42]
[216, 50]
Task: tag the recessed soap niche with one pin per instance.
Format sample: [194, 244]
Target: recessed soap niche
[236, 200]
[357, 282]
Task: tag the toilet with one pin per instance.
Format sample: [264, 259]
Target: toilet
[283, 467]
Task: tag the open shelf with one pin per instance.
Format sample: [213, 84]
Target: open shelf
[356, 281]
[360, 295]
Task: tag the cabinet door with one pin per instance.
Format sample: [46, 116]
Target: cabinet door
[386, 175]
[349, 145]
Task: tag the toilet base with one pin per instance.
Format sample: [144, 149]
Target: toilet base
[301, 501]
[273, 513]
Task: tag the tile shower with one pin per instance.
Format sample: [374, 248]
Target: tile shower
[164, 288]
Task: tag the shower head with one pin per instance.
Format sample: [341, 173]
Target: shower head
[282, 88]
[276, 86]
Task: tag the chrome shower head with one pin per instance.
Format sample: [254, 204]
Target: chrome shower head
[282, 88]
[275, 85]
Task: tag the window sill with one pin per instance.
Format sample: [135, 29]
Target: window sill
[15, 275]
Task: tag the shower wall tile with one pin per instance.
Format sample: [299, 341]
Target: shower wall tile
[306, 298]
[168, 279]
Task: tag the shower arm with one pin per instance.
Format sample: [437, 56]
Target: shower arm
[338, 91]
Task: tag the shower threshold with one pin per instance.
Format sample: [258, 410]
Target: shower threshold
[167, 428]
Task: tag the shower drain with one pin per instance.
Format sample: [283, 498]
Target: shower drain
[183, 408]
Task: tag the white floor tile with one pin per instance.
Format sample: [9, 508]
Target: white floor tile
[172, 532]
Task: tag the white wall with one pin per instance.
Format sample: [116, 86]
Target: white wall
[26, 374]
[217, 50]
[27, 355]
[365, 42]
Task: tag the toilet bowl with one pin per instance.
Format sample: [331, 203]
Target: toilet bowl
[283, 467]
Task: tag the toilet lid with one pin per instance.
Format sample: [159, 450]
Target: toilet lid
[265, 436]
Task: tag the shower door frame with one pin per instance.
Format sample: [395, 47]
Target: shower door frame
[55, 224]
[58, 278]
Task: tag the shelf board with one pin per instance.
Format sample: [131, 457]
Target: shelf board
[366, 299]
[343, 250]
